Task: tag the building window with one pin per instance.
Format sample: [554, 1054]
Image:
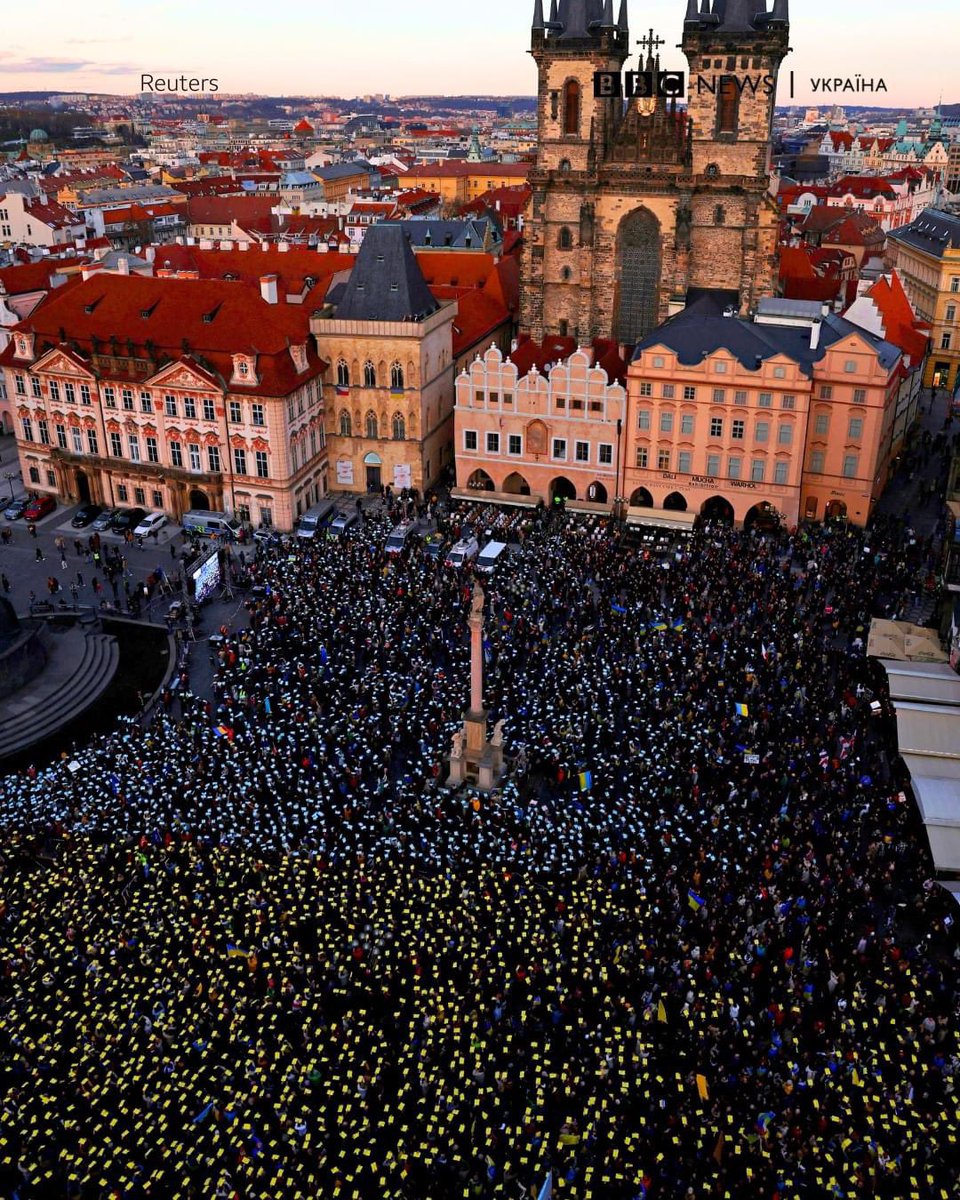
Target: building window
[779, 372]
[127, 398]
[733, 467]
[643, 418]
[170, 406]
[157, 498]
[369, 375]
[76, 436]
[263, 466]
[61, 432]
[780, 470]
[646, 389]
[955, 283]
[92, 441]
[514, 444]
[689, 392]
[855, 429]
[239, 461]
[719, 394]
[34, 474]
[478, 397]
[44, 430]
[243, 513]
[116, 445]
[560, 448]
[816, 462]
[642, 455]
[153, 450]
[133, 444]
[564, 239]
[738, 430]
[766, 400]
[739, 397]
[469, 439]
[565, 275]
[821, 424]
[757, 468]
[85, 393]
[663, 460]
[788, 402]
[209, 411]
[109, 397]
[213, 458]
[945, 341]
[713, 464]
[571, 108]
[54, 390]
[346, 425]
[236, 412]
[343, 374]
[785, 435]
[176, 454]
[720, 368]
[193, 450]
[716, 427]
[146, 403]
[493, 443]
[266, 517]
[728, 102]
[508, 397]
[850, 366]
[399, 428]
[850, 464]
[35, 387]
[122, 494]
[373, 429]
[762, 433]
[666, 422]
[605, 454]
[951, 313]
[190, 408]
[686, 423]
[826, 392]
[396, 376]
[582, 452]
[139, 496]
[669, 391]
[256, 414]
[685, 462]
[27, 426]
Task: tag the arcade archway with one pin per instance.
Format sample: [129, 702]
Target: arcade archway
[480, 481]
[562, 489]
[717, 508]
[675, 503]
[641, 498]
[516, 485]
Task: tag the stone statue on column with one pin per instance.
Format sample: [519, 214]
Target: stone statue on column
[472, 757]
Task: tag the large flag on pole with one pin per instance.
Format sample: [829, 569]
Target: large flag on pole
[546, 1192]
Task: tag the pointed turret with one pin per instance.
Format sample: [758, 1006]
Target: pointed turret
[693, 13]
[538, 22]
[622, 19]
[780, 14]
[554, 19]
[574, 17]
[606, 21]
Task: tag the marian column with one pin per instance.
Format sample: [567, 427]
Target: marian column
[475, 621]
[472, 758]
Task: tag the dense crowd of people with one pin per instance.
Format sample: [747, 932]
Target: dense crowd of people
[691, 947]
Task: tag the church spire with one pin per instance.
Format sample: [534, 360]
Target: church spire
[622, 19]
[693, 14]
[607, 19]
[537, 15]
[780, 12]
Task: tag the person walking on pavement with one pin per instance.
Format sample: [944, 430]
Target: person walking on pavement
[5, 584]
[39, 554]
[32, 529]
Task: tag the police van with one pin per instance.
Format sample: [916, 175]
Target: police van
[211, 524]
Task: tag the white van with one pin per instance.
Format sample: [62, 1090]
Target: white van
[342, 523]
[210, 524]
[465, 551]
[490, 555]
[314, 519]
[399, 536]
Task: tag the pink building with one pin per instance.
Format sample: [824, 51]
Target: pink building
[542, 421]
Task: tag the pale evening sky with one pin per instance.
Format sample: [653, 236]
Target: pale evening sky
[434, 46]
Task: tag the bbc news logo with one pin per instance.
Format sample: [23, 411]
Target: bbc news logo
[648, 85]
[645, 85]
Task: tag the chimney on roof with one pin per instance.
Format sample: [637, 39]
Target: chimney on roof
[283, 247]
[243, 245]
[150, 254]
[226, 245]
[268, 288]
[815, 333]
[123, 266]
[88, 270]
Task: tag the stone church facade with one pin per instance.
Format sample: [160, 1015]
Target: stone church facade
[636, 202]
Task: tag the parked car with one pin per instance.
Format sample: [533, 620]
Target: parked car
[104, 520]
[127, 518]
[38, 507]
[266, 535]
[342, 523]
[15, 509]
[85, 514]
[151, 524]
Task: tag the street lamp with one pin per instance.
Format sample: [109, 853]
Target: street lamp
[10, 476]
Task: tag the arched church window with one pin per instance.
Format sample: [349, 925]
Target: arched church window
[372, 428]
[571, 107]
[396, 376]
[565, 274]
[343, 374]
[346, 425]
[728, 104]
[369, 375]
[565, 239]
[719, 215]
[399, 428]
[564, 166]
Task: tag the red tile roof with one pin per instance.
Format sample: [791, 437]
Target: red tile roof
[52, 214]
[460, 168]
[216, 320]
[900, 323]
[223, 210]
[34, 277]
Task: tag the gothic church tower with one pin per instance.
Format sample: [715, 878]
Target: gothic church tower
[634, 202]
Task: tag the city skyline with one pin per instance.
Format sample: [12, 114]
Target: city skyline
[246, 50]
